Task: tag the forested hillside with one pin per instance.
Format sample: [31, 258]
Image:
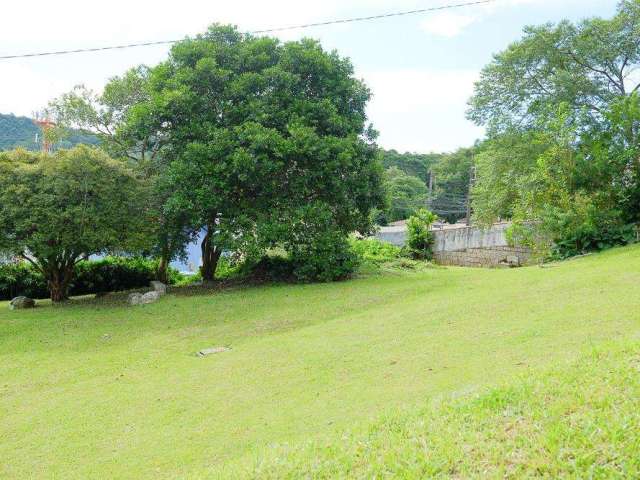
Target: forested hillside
[21, 132]
[17, 132]
[408, 176]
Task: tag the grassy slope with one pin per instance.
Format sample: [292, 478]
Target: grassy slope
[96, 391]
[578, 421]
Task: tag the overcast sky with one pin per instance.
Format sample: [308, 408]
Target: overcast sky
[420, 68]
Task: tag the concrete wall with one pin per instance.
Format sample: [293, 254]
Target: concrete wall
[457, 238]
[466, 245]
[395, 235]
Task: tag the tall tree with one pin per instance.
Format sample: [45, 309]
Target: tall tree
[257, 131]
[586, 66]
[108, 117]
[57, 209]
[562, 110]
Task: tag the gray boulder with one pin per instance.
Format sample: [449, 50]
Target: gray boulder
[134, 299]
[159, 287]
[20, 303]
[143, 299]
[150, 297]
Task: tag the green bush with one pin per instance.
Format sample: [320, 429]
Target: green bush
[592, 239]
[326, 258]
[21, 279]
[374, 250]
[109, 274]
[419, 235]
[270, 268]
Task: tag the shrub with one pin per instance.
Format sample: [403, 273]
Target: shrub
[585, 240]
[374, 250]
[270, 268]
[21, 279]
[327, 258]
[419, 235]
[109, 274]
[317, 246]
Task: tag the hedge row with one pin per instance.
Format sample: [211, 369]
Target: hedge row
[109, 274]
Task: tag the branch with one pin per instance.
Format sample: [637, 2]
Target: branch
[32, 262]
[596, 70]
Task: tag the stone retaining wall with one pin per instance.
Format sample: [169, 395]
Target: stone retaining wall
[487, 257]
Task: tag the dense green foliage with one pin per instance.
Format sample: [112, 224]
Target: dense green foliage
[57, 209]
[262, 136]
[110, 274]
[563, 116]
[21, 132]
[374, 250]
[419, 234]
[413, 164]
[406, 194]
[408, 177]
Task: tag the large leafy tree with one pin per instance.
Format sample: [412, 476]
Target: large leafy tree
[57, 209]
[586, 66]
[107, 117]
[258, 131]
[562, 110]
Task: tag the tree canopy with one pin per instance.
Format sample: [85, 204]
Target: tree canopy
[260, 133]
[587, 66]
[562, 108]
[57, 209]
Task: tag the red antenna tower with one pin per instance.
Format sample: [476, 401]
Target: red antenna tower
[45, 125]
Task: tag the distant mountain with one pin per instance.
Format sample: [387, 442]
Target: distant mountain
[22, 132]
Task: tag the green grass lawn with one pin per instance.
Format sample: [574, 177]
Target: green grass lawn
[104, 391]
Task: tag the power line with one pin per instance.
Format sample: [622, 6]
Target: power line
[255, 32]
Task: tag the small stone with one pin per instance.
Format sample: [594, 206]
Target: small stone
[150, 297]
[159, 287]
[20, 303]
[212, 351]
[513, 260]
[134, 299]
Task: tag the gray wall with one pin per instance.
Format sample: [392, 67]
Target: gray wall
[466, 245]
[462, 238]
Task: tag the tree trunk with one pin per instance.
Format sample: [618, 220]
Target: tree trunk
[210, 257]
[163, 267]
[59, 280]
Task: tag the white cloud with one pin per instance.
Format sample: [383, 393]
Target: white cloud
[24, 91]
[452, 23]
[422, 110]
[447, 24]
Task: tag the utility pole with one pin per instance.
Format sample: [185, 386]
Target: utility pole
[472, 179]
[430, 197]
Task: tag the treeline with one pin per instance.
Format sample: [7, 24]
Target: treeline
[562, 111]
[437, 181]
[21, 132]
